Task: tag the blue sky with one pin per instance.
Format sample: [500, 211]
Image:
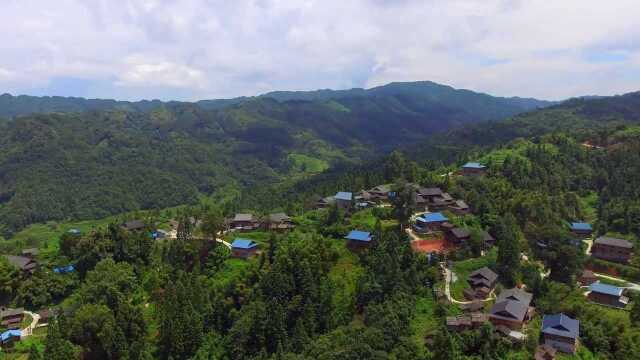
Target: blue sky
[201, 49]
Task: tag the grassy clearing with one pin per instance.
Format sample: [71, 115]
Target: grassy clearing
[344, 276]
[462, 269]
[261, 237]
[232, 271]
[424, 321]
[305, 164]
[589, 204]
[612, 282]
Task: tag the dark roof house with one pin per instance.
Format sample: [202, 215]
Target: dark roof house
[561, 332]
[612, 249]
[133, 225]
[23, 263]
[483, 277]
[511, 308]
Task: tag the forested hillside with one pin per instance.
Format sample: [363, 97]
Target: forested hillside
[583, 119]
[309, 294]
[424, 94]
[153, 155]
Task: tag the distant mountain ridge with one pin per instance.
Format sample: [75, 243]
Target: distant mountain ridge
[12, 106]
[79, 158]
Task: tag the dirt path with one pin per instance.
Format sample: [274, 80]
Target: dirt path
[28, 331]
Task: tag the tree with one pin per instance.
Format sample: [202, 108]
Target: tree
[35, 353]
[8, 274]
[56, 346]
[212, 223]
[403, 204]
[508, 262]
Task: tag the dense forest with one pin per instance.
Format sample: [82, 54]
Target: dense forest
[306, 295]
[122, 157]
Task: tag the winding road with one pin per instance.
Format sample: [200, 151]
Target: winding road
[448, 274]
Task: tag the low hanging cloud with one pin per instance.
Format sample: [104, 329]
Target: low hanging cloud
[197, 49]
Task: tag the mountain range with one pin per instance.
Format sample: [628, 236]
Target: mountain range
[77, 158]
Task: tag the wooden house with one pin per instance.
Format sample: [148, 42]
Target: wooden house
[473, 169]
[243, 248]
[458, 236]
[357, 239]
[511, 309]
[279, 222]
[244, 222]
[561, 332]
[430, 222]
[133, 225]
[11, 318]
[587, 278]
[459, 207]
[612, 249]
[606, 294]
[344, 200]
[9, 337]
[24, 264]
[581, 229]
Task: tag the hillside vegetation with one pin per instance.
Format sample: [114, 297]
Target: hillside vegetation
[122, 156]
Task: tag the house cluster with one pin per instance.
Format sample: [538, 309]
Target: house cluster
[11, 319]
[342, 199]
[437, 222]
[509, 315]
[434, 199]
[250, 222]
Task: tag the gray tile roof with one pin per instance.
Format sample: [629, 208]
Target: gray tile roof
[515, 294]
[561, 325]
[604, 240]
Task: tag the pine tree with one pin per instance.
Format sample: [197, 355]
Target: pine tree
[508, 261]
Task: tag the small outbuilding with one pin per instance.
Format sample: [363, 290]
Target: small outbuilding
[359, 239]
[243, 248]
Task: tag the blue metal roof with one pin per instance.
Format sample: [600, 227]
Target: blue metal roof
[581, 226]
[432, 217]
[9, 334]
[473, 165]
[64, 269]
[358, 235]
[74, 231]
[243, 244]
[560, 324]
[343, 195]
[605, 289]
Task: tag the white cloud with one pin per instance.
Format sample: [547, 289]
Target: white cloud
[193, 49]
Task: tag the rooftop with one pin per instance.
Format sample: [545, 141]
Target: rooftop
[434, 191]
[560, 324]
[515, 294]
[607, 289]
[604, 240]
[581, 226]
[510, 309]
[433, 217]
[243, 217]
[485, 273]
[9, 334]
[460, 233]
[279, 217]
[243, 244]
[343, 195]
[358, 235]
[473, 165]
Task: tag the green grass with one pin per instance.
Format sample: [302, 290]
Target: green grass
[612, 282]
[589, 204]
[344, 276]
[305, 164]
[462, 269]
[233, 271]
[424, 320]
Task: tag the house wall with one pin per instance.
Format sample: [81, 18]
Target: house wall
[604, 299]
[560, 343]
[511, 324]
[611, 253]
[243, 253]
[472, 171]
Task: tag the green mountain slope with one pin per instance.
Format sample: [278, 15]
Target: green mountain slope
[476, 105]
[121, 156]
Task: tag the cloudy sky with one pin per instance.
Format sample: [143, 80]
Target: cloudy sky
[197, 49]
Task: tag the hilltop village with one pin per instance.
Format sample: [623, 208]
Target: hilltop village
[435, 259]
